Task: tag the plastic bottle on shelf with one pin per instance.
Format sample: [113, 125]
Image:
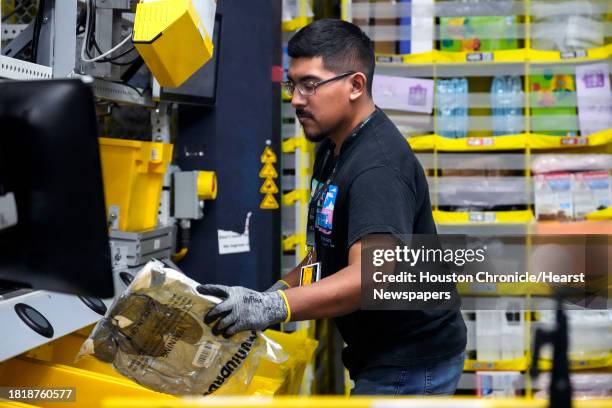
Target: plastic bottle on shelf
[515, 113]
[465, 107]
[456, 106]
[444, 108]
[497, 90]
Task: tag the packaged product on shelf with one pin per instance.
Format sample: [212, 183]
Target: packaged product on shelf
[479, 33]
[154, 334]
[507, 105]
[362, 12]
[293, 9]
[421, 27]
[590, 333]
[594, 98]
[591, 191]
[499, 384]
[500, 328]
[553, 111]
[385, 28]
[548, 163]
[452, 105]
[567, 25]
[584, 385]
[553, 196]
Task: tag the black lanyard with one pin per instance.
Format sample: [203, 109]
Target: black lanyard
[321, 188]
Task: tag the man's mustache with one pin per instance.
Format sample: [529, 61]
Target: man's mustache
[301, 113]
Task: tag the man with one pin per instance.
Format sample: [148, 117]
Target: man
[366, 181]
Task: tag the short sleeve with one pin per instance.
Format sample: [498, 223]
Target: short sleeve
[380, 202]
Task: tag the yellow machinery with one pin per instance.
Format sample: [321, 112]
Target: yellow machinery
[133, 174]
[173, 39]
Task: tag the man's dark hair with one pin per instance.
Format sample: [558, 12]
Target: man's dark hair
[342, 45]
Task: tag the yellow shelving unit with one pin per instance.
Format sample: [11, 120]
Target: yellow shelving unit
[523, 61]
[302, 19]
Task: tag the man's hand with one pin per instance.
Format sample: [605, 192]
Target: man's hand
[243, 309]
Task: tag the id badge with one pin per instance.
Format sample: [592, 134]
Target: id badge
[310, 274]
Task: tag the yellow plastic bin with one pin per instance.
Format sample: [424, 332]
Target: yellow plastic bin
[300, 350]
[133, 173]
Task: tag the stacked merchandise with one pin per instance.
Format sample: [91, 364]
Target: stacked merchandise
[590, 337]
[477, 25]
[396, 26]
[567, 25]
[506, 105]
[553, 111]
[558, 93]
[568, 187]
[452, 105]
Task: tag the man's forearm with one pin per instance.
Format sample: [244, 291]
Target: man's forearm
[335, 295]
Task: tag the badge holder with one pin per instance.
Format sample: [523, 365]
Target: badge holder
[310, 273]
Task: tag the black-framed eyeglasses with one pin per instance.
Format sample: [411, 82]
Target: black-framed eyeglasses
[309, 88]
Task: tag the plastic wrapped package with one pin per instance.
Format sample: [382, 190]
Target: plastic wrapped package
[154, 334]
[567, 25]
[547, 163]
[584, 385]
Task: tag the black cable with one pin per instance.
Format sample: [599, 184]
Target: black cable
[37, 28]
[90, 38]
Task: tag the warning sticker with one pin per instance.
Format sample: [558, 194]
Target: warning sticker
[268, 171]
[269, 186]
[269, 203]
[268, 155]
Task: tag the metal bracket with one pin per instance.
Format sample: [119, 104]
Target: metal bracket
[160, 123]
[12, 68]
[20, 42]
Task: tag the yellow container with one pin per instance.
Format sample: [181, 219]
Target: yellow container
[171, 39]
[300, 350]
[133, 173]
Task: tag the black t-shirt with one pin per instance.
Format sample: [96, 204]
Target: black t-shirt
[379, 187]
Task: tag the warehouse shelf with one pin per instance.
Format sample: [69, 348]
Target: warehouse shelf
[573, 227]
[538, 141]
[294, 196]
[422, 143]
[292, 242]
[467, 144]
[605, 214]
[507, 142]
[483, 217]
[482, 57]
[516, 56]
[593, 54]
[518, 364]
[581, 364]
[291, 144]
[296, 23]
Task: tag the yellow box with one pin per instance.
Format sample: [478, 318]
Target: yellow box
[172, 40]
[133, 173]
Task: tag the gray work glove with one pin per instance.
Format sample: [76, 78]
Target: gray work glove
[243, 309]
[279, 285]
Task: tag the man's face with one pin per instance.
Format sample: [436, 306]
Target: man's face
[321, 113]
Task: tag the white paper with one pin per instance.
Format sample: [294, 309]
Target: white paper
[403, 94]
[231, 242]
[594, 98]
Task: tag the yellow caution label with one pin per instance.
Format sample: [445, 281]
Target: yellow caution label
[268, 171]
[269, 186]
[269, 203]
[268, 155]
